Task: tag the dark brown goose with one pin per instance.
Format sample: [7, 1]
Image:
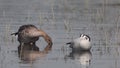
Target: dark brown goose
[30, 34]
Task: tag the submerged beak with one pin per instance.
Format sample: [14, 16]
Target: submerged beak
[46, 37]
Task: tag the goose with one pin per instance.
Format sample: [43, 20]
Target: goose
[30, 34]
[81, 43]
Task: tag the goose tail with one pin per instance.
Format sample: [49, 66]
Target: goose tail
[15, 33]
[68, 43]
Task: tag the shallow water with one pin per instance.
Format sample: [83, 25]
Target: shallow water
[63, 20]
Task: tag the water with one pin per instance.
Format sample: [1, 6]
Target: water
[63, 20]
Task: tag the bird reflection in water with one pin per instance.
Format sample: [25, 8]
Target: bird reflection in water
[30, 52]
[81, 57]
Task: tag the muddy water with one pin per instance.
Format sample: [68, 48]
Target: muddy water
[63, 20]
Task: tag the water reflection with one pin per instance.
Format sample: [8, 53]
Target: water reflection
[30, 52]
[81, 57]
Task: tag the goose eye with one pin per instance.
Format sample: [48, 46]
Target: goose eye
[86, 38]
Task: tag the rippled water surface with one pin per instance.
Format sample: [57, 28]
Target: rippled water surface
[63, 20]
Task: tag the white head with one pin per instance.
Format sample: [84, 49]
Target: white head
[84, 37]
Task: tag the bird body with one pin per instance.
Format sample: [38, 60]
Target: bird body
[82, 43]
[30, 34]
